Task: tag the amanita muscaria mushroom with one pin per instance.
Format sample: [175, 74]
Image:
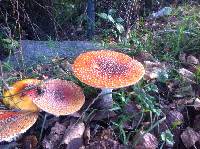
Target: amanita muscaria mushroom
[13, 123]
[60, 97]
[107, 70]
[21, 94]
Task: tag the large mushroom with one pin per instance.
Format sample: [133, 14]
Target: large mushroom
[107, 70]
[21, 94]
[14, 123]
[60, 97]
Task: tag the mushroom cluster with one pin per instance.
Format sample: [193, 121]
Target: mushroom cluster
[29, 96]
[103, 69]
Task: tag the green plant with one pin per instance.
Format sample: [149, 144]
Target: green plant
[124, 135]
[116, 22]
[197, 75]
[167, 137]
[144, 98]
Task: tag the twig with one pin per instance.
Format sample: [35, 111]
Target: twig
[42, 129]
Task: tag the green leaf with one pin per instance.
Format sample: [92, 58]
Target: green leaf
[167, 137]
[151, 88]
[110, 18]
[10, 43]
[111, 11]
[119, 20]
[103, 16]
[120, 28]
[147, 101]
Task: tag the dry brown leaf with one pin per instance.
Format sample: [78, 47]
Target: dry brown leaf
[144, 56]
[189, 137]
[197, 104]
[174, 118]
[29, 142]
[187, 75]
[192, 60]
[148, 141]
[154, 69]
[105, 144]
[74, 136]
[54, 138]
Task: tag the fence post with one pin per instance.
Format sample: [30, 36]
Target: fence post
[90, 18]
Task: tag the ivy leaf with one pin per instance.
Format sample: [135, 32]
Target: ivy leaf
[120, 28]
[167, 137]
[119, 20]
[111, 11]
[110, 18]
[151, 88]
[103, 15]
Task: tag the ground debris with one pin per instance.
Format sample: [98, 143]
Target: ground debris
[192, 60]
[29, 142]
[182, 57]
[153, 70]
[187, 75]
[144, 56]
[148, 141]
[189, 137]
[197, 104]
[196, 123]
[133, 110]
[86, 135]
[174, 118]
[73, 136]
[105, 144]
[55, 136]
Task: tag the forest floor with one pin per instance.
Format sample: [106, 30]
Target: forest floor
[160, 111]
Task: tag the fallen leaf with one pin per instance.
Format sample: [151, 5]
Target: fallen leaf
[197, 104]
[54, 138]
[29, 142]
[74, 136]
[192, 60]
[144, 56]
[189, 137]
[187, 75]
[174, 118]
[105, 144]
[148, 141]
[153, 70]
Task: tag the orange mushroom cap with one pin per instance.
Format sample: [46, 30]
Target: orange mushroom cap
[20, 98]
[13, 123]
[60, 97]
[107, 69]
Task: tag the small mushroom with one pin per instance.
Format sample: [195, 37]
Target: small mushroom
[107, 70]
[60, 97]
[14, 123]
[21, 94]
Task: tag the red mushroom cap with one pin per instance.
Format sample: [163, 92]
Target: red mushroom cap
[107, 69]
[13, 123]
[60, 97]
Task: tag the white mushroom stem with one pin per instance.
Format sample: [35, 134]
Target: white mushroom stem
[106, 99]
